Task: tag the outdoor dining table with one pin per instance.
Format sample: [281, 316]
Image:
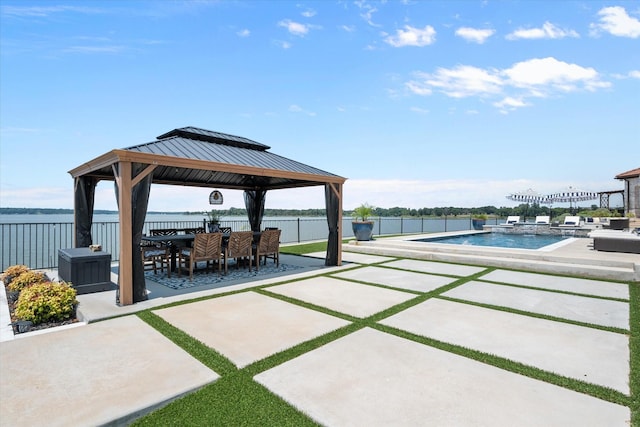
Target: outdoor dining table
[182, 240]
[176, 240]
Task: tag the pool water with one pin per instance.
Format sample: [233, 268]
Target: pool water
[501, 240]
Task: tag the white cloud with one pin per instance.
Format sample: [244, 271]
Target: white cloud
[366, 12]
[458, 82]
[509, 104]
[309, 13]
[283, 44]
[635, 74]
[474, 35]
[419, 110]
[297, 109]
[411, 36]
[348, 28]
[548, 31]
[548, 74]
[615, 21]
[44, 11]
[244, 33]
[538, 77]
[295, 28]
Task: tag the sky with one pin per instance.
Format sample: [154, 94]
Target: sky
[417, 103]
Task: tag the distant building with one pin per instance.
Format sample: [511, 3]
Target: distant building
[631, 191]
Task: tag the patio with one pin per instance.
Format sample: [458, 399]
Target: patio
[510, 347]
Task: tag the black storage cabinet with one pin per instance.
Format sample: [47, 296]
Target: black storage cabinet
[87, 271]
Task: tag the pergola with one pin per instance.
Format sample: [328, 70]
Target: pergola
[199, 158]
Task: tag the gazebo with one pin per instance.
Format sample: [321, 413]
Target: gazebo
[195, 157]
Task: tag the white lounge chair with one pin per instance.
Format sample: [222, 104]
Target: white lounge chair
[542, 219]
[571, 221]
[512, 220]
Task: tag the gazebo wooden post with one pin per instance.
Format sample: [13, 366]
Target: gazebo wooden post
[339, 188]
[125, 270]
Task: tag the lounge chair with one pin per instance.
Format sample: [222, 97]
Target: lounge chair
[543, 219]
[512, 220]
[571, 221]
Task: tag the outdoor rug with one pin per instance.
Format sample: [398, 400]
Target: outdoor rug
[202, 277]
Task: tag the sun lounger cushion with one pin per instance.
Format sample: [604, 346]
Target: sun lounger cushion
[542, 219]
[573, 221]
[512, 219]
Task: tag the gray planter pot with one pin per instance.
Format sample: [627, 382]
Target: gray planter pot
[478, 224]
[362, 230]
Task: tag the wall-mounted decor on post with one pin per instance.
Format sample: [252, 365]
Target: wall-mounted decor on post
[215, 198]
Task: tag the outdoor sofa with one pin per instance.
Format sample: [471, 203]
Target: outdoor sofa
[616, 241]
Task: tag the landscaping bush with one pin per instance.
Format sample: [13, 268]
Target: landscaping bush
[27, 279]
[12, 272]
[46, 302]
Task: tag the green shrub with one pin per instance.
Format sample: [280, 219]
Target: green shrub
[46, 302]
[27, 279]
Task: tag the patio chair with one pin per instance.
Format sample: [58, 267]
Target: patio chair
[155, 257]
[571, 221]
[206, 247]
[512, 220]
[238, 247]
[268, 247]
[543, 219]
[196, 230]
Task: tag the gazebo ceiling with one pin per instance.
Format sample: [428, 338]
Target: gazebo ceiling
[201, 158]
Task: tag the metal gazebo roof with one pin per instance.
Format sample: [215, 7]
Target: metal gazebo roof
[198, 157]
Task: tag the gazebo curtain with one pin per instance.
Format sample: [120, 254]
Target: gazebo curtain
[139, 203]
[84, 192]
[332, 203]
[254, 203]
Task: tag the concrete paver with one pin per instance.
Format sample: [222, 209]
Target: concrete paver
[573, 307]
[593, 287]
[92, 375]
[247, 327]
[343, 296]
[435, 267]
[396, 278]
[355, 257]
[578, 352]
[370, 378]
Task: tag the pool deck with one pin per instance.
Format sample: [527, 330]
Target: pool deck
[573, 256]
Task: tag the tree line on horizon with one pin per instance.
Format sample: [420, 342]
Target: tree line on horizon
[523, 209]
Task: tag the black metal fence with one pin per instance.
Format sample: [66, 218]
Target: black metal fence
[36, 244]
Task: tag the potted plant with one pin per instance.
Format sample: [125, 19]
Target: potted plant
[214, 221]
[361, 225]
[478, 221]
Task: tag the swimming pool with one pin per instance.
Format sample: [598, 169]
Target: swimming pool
[501, 240]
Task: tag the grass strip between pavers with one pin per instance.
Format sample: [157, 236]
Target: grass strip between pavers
[236, 399]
